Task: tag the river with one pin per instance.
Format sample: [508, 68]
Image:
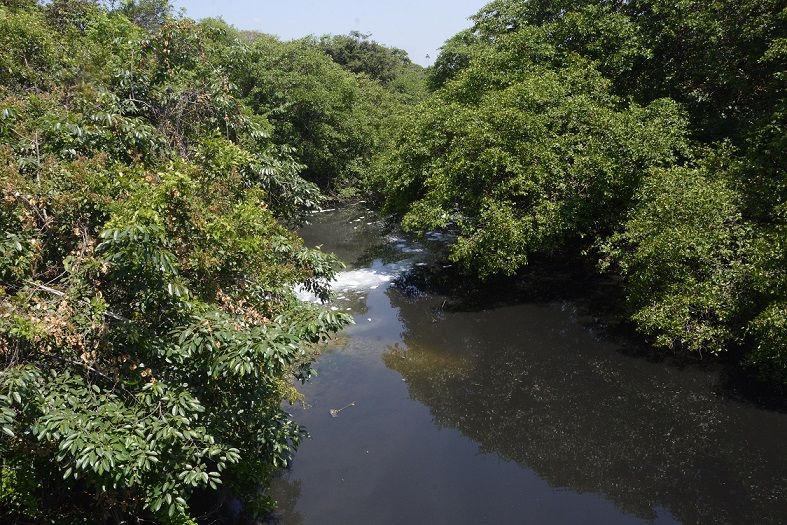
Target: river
[517, 407]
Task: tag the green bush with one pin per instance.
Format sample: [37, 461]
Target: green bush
[333, 118]
[149, 331]
[565, 126]
[682, 252]
[28, 51]
[525, 151]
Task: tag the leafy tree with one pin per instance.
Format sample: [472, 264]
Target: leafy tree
[149, 14]
[683, 253]
[148, 327]
[28, 51]
[557, 125]
[712, 57]
[716, 57]
[768, 329]
[523, 158]
[356, 52]
[454, 56]
[334, 119]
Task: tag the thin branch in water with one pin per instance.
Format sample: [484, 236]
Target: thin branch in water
[335, 412]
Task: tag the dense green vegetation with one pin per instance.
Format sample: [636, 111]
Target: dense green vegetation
[333, 114]
[152, 168]
[392, 67]
[648, 134]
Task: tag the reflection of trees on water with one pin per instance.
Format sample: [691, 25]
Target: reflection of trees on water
[286, 493]
[529, 384]
[356, 235]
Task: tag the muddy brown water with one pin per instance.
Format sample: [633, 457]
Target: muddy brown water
[521, 412]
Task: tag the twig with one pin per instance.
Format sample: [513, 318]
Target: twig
[38, 157]
[335, 412]
[62, 294]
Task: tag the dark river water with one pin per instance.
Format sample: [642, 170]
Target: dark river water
[515, 411]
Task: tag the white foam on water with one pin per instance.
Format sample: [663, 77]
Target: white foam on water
[360, 280]
[379, 275]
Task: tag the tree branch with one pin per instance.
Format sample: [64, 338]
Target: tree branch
[63, 294]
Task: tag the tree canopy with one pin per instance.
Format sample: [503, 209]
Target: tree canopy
[648, 134]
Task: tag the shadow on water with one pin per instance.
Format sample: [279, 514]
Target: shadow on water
[526, 385]
[567, 407]
[600, 305]
[287, 498]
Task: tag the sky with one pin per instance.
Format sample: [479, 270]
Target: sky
[418, 26]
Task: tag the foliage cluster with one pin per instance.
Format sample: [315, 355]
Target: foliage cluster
[392, 67]
[646, 133]
[331, 100]
[148, 326]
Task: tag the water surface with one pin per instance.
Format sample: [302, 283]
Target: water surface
[521, 411]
